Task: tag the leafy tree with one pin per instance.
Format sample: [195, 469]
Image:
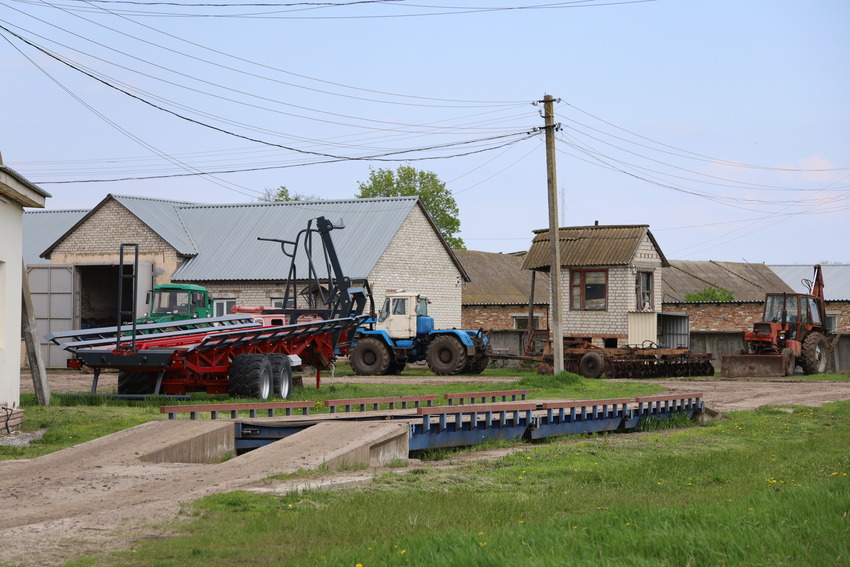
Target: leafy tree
[282, 194]
[711, 293]
[407, 181]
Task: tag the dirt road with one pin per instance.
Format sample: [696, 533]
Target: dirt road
[100, 496]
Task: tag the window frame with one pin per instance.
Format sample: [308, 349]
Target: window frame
[640, 305]
[581, 288]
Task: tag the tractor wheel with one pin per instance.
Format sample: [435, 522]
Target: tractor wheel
[369, 357]
[281, 375]
[250, 377]
[446, 356]
[789, 361]
[476, 366]
[814, 354]
[591, 365]
[395, 368]
[135, 383]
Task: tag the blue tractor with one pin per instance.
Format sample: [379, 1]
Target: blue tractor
[404, 333]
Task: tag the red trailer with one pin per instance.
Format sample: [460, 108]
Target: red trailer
[234, 354]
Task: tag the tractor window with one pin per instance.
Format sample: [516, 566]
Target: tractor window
[385, 311]
[791, 309]
[813, 309]
[773, 308]
[172, 302]
[422, 306]
[400, 306]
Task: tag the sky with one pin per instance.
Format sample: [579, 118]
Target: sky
[721, 124]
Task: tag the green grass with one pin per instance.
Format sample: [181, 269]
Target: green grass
[758, 488]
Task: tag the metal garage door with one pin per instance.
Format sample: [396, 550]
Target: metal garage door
[52, 290]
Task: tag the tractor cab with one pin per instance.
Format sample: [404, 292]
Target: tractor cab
[787, 317]
[176, 302]
[405, 315]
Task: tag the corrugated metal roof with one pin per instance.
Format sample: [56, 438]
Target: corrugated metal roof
[836, 279]
[746, 282]
[589, 246]
[43, 228]
[228, 249]
[498, 279]
[162, 217]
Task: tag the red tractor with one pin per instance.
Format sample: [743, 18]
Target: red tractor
[791, 333]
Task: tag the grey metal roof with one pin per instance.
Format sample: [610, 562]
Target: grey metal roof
[746, 282]
[226, 236]
[597, 245]
[162, 217]
[42, 228]
[836, 279]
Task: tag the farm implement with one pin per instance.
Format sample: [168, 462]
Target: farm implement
[634, 362]
[234, 354]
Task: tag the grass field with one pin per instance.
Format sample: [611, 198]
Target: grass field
[765, 487]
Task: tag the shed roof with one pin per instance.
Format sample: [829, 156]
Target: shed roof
[597, 245]
[42, 228]
[19, 189]
[836, 279]
[746, 282]
[498, 279]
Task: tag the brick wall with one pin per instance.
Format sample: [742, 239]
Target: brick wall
[498, 317]
[416, 260]
[734, 316]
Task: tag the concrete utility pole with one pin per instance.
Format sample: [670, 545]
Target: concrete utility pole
[554, 240]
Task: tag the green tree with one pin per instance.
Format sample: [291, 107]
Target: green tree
[407, 181]
[711, 293]
[281, 194]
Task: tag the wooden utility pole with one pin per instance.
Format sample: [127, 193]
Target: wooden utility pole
[554, 240]
[30, 330]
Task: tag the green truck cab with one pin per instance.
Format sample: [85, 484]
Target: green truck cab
[177, 302]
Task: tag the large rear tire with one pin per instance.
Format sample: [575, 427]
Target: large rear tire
[281, 375]
[135, 383]
[250, 377]
[814, 359]
[591, 365]
[446, 356]
[369, 357]
[477, 366]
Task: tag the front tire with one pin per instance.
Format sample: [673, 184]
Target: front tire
[250, 377]
[814, 358]
[369, 357]
[446, 356]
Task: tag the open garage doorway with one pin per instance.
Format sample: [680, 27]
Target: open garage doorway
[98, 293]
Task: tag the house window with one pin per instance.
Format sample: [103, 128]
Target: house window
[643, 291]
[223, 307]
[521, 322]
[589, 290]
[277, 303]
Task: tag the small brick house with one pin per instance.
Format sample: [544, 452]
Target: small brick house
[392, 242]
[610, 281]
